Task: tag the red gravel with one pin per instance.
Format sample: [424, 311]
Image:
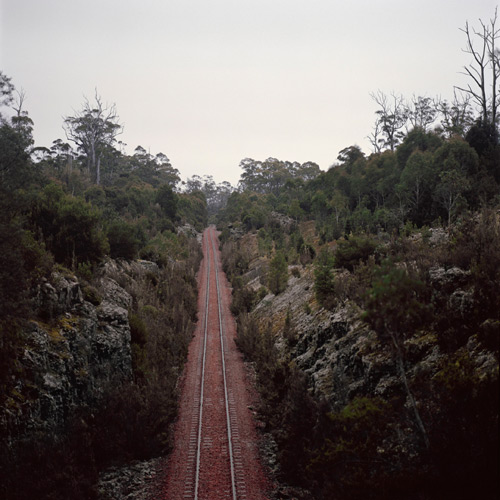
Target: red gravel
[215, 483]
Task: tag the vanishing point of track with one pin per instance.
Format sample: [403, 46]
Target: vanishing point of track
[215, 455]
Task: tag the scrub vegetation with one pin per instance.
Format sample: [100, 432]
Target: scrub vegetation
[403, 241]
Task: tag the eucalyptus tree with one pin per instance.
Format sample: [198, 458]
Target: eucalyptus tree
[395, 309]
[422, 112]
[484, 70]
[16, 139]
[392, 117]
[6, 90]
[416, 184]
[156, 170]
[456, 164]
[93, 129]
[271, 175]
[457, 116]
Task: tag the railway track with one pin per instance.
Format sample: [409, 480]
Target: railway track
[211, 263]
[212, 459]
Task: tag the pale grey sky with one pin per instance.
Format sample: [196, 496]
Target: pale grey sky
[210, 82]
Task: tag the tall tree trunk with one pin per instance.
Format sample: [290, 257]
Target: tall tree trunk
[98, 171]
[404, 379]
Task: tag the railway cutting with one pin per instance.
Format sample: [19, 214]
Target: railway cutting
[215, 454]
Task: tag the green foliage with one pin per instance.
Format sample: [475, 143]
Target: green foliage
[255, 218]
[248, 337]
[278, 273]
[91, 294]
[265, 241]
[23, 261]
[70, 226]
[474, 246]
[417, 140]
[396, 304]
[324, 281]
[305, 250]
[138, 329]
[349, 253]
[416, 184]
[244, 298]
[162, 247]
[16, 168]
[271, 175]
[192, 208]
[96, 196]
[167, 200]
[288, 409]
[395, 309]
[289, 331]
[235, 259]
[124, 239]
[347, 463]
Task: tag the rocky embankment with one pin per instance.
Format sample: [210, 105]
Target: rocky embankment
[77, 346]
[429, 412]
[341, 354]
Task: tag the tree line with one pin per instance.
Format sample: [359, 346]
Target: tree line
[375, 231]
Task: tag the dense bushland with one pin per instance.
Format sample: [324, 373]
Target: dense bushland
[60, 210]
[377, 230]
[373, 229]
[53, 211]
[353, 451]
[132, 420]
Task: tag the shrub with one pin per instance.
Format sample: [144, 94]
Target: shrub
[138, 330]
[345, 462]
[164, 247]
[167, 200]
[244, 298]
[349, 253]
[91, 294]
[247, 337]
[70, 226]
[278, 273]
[124, 241]
[324, 283]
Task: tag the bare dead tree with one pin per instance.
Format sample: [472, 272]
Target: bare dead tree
[484, 70]
[21, 120]
[93, 129]
[374, 137]
[18, 102]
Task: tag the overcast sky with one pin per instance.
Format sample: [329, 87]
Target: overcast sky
[210, 82]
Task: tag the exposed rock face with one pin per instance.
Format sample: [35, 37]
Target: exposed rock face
[189, 231]
[332, 348]
[73, 354]
[133, 482]
[448, 280]
[283, 220]
[343, 357]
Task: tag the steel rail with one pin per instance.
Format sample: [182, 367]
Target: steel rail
[226, 399]
[210, 243]
[202, 385]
